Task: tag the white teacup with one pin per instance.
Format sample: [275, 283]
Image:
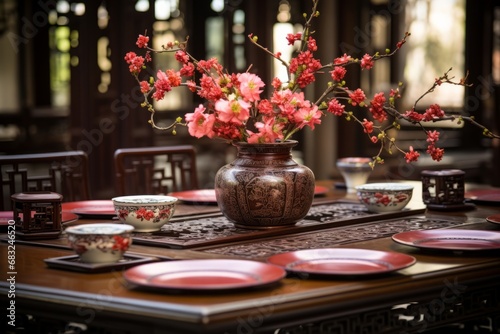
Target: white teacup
[100, 243]
[146, 213]
[355, 171]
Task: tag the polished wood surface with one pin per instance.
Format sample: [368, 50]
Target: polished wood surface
[106, 300]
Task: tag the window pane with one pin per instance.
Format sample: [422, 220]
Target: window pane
[436, 43]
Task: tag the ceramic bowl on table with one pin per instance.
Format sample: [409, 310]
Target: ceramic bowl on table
[385, 196]
[146, 213]
[100, 242]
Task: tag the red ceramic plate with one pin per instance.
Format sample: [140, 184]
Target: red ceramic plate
[103, 208]
[5, 216]
[342, 261]
[450, 239]
[495, 219]
[196, 196]
[484, 196]
[320, 190]
[208, 274]
[208, 195]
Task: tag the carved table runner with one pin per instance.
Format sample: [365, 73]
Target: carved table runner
[215, 230]
[334, 237]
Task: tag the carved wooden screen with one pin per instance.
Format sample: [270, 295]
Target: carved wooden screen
[155, 170]
[65, 173]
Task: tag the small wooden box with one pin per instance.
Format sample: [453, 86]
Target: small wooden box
[443, 189]
[37, 215]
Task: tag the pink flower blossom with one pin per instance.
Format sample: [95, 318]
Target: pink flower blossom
[209, 89]
[308, 116]
[433, 112]
[162, 85]
[235, 111]
[345, 59]
[269, 132]
[144, 87]
[265, 107]
[367, 62]
[228, 131]
[250, 86]
[199, 123]
[335, 107]
[182, 57]
[187, 70]
[142, 41]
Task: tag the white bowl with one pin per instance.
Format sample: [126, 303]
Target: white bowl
[146, 213]
[385, 196]
[100, 243]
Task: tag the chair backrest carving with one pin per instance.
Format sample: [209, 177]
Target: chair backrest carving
[65, 173]
[155, 170]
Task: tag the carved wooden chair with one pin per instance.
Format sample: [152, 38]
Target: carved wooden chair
[65, 173]
[155, 170]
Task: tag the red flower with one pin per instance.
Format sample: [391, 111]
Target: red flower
[433, 112]
[382, 199]
[135, 62]
[121, 243]
[367, 62]
[377, 107]
[412, 115]
[338, 73]
[435, 153]
[292, 38]
[335, 107]
[411, 155]
[357, 97]
[142, 41]
[368, 126]
[144, 214]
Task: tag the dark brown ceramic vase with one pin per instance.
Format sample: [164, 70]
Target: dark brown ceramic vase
[264, 187]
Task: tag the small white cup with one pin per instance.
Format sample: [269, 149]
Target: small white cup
[355, 171]
[100, 243]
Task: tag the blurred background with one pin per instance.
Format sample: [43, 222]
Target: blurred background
[64, 84]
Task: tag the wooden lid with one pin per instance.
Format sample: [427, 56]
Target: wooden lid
[443, 172]
[37, 196]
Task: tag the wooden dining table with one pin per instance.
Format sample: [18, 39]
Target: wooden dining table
[43, 285]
